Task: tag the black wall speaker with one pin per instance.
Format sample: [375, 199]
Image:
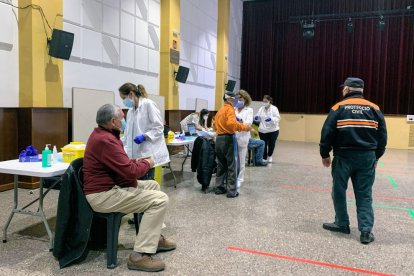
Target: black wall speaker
[182, 74]
[230, 85]
[60, 45]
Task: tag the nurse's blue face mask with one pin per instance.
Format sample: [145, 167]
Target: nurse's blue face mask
[123, 125]
[239, 104]
[128, 102]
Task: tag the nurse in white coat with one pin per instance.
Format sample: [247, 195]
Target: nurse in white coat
[269, 118]
[144, 131]
[244, 114]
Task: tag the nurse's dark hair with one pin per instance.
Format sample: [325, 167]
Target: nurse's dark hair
[203, 112]
[106, 113]
[139, 90]
[267, 97]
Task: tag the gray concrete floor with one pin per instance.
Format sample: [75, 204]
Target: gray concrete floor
[279, 213]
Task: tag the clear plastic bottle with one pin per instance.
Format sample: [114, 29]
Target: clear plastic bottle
[55, 155]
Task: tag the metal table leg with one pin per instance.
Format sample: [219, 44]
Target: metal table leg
[186, 156]
[40, 213]
[175, 180]
[16, 191]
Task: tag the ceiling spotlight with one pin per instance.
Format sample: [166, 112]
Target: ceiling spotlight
[308, 30]
[349, 26]
[381, 23]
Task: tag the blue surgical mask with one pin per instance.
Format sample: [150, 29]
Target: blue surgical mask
[235, 102]
[239, 104]
[129, 102]
[123, 125]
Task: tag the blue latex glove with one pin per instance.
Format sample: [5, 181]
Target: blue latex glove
[256, 118]
[268, 119]
[139, 139]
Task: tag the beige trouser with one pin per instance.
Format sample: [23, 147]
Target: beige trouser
[146, 198]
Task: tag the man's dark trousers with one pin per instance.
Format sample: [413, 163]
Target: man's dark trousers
[359, 166]
[227, 163]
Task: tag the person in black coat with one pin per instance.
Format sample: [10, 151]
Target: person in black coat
[203, 161]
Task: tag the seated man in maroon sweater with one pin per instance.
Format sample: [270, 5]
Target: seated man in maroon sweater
[111, 185]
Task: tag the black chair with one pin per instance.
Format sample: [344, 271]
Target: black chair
[113, 221]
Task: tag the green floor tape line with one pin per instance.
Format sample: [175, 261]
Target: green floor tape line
[410, 211]
[392, 182]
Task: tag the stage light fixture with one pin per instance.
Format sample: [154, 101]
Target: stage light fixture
[350, 26]
[381, 24]
[308, 30]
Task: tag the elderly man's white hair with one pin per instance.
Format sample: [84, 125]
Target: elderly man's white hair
[106, 113]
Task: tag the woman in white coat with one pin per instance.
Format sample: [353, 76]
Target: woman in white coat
[269, 118]
[144, 131]
[244, 114]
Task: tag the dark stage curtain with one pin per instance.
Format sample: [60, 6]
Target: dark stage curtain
[304, 75]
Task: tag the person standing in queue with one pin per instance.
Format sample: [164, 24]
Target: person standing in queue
[268, 116]
[226, 125]
[144, 131]
[355, 129]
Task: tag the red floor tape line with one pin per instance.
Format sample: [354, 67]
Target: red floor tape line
[277, 256]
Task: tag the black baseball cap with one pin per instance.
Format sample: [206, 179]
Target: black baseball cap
[353, 82]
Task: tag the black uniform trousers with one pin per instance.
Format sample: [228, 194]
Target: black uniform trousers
[359, 166]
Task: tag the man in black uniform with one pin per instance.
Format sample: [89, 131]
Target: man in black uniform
[355, 129]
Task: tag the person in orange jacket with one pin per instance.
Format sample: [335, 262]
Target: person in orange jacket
[226, 125]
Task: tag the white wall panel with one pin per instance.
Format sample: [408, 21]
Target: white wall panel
[141, 32]
[9, 56]
[154, 12]
[73, 10]
[112, 3]
[94, 77]
[128, 5]
[127, 26]
[236, 14]
[92, 14]
[154, 37]
[153, 61]
[127, 57]
[77, 31]
[110, 20]
[106, 51]
[91, 45]
[110, 50]
[141, 58]
[198, 52]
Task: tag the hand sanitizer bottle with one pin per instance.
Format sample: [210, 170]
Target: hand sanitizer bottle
[46, 157]
[55, 155]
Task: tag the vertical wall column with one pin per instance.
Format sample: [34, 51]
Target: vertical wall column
[222, 50]
[170, 39]
[40, 76]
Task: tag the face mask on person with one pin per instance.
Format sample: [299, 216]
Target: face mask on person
[123, 125]
[235, 102]
[266, 104]
[128, 102]
[205, 117]
[239, 104]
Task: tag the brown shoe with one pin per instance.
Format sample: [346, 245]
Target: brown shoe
[145, 262]
[165, 244]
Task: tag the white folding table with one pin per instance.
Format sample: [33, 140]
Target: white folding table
[35, 169]
[186, 143]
